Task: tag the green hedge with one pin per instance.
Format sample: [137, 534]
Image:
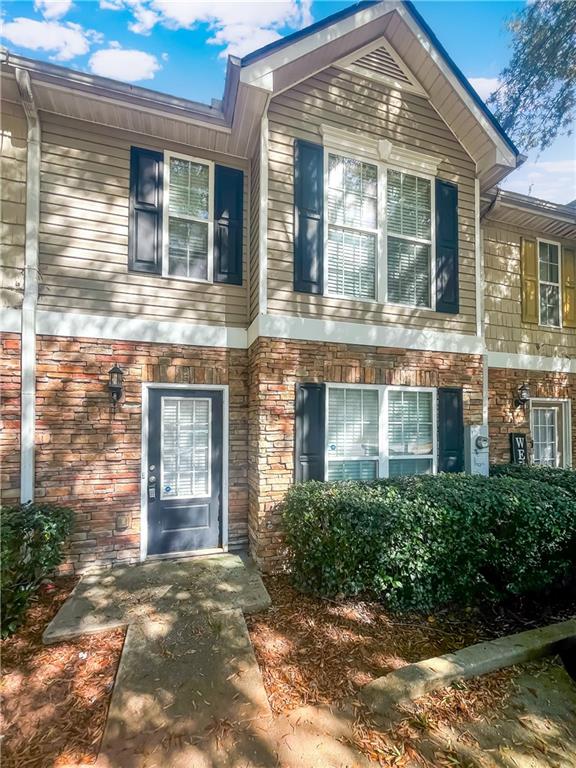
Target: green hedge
[563, 478]
[31, 538]
[426, 541]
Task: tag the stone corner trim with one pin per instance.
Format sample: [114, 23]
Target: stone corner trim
[420, 678]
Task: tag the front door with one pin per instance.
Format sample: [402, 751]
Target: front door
[184, 473]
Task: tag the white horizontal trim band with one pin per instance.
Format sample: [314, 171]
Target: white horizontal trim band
[50, 323]
[531, 362]
[338, 332]
[11, 320]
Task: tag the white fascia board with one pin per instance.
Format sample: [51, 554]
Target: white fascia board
[258, 72]
[10, 320]
[341, 332]
[50, 323]
[531, 362]
[504, 153]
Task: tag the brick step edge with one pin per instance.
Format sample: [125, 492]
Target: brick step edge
[417, 679]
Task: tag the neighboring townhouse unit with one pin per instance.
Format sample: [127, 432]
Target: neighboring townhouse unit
[294, 281]
[529, 251]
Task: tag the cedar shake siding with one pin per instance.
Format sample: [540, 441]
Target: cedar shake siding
[84, 221]
[88, 457]
[346, 101]
[505, 329]
[275, 367]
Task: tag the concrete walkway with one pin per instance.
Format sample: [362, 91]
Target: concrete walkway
[160, 590]
[188, 692]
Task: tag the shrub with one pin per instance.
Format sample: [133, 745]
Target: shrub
[31, 537]
[563, 478]
[425, 541]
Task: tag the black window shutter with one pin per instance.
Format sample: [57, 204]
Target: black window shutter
[145, 227]
[450, 430]
[447, 292]
[228, 224]
[310, 442]
[308, 217]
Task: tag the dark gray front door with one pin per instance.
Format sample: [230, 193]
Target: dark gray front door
[184, 473]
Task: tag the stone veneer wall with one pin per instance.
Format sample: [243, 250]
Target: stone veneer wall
[89, 458]
[504, 417]
[10, 418]
[274, 368]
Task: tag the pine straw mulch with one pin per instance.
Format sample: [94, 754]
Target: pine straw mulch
[314, 651]
[55, 698]
[400, 744]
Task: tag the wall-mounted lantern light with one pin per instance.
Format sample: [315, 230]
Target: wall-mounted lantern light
[523, 395]
[115, 378]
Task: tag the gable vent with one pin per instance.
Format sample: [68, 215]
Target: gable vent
[378, 61]
[382, 63]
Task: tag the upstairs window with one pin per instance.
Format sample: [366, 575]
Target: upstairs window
[409, 227]
[549, 279]
[355, 221]
[352, 227]
[189, 219]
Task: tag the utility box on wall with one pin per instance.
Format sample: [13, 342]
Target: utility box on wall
[476, 455]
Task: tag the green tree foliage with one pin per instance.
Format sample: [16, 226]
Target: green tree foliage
[536, 100]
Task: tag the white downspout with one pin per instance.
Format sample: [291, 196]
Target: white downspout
[28, 337]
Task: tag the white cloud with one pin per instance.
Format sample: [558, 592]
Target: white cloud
[484, 86]
[124, 64]
[238, 26]
[65, 41]
[553, 180]
[53, 9]
[240, 39]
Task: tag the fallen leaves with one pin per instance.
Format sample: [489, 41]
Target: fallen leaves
[55, 698]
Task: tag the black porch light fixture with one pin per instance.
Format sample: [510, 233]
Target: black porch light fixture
[523, 395]
[115, 379]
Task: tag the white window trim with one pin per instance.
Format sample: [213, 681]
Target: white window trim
[565, 404]
[343, 147]
[383, 459]
[166, 215]
[546, 282]
[208, 400]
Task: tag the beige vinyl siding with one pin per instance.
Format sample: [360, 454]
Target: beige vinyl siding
[254, 282]
[84, 212]
[347, 101]
[13, 155]
[505, 331]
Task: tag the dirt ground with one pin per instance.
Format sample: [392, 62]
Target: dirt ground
[54, 698]
[315, 651]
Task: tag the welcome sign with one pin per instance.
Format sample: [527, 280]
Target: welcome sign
[519, 446]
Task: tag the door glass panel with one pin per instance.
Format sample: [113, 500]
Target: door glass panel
[185, 448]
[545, 436]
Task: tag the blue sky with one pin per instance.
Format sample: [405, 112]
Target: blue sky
[180, 47]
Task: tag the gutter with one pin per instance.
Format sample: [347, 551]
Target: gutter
[30, 299]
